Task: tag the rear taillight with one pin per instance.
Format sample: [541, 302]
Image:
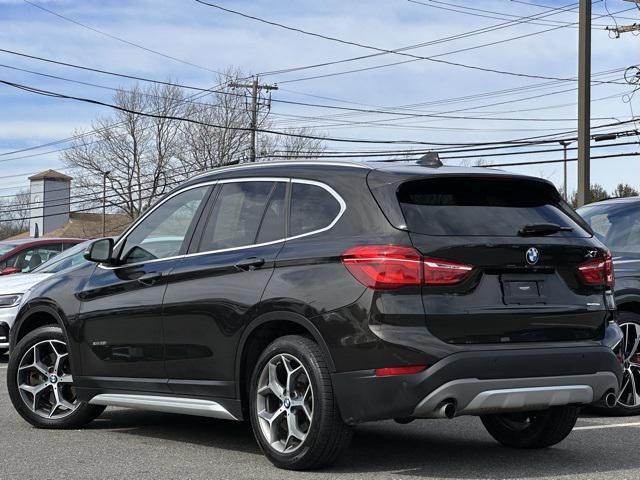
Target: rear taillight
[598, 271]
[441, 272]
[384, 266]
[394, 266]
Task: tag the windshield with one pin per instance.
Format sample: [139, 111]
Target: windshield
[67, 259]
[6, 247]
[486, 206]
[617, 225]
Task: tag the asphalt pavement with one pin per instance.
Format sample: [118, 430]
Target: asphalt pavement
[129, 444]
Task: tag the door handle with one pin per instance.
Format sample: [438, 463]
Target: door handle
[149, 279]
[250, 263]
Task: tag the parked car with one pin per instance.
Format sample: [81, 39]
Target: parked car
[309, 297]
[616, 223]
[14, 287]
[26, 254]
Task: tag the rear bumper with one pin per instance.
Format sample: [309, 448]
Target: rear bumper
[483, 382]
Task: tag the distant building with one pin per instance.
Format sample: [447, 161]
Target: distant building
[50, 199]
[51, 214]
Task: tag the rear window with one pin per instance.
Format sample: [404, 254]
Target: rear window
[616, 225]
[7, 247]
[483, 207]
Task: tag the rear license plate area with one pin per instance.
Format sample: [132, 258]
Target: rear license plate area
[523, 290]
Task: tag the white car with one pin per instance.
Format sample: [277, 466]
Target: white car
[14, 287]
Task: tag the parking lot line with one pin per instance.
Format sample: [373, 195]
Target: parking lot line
[611, 425]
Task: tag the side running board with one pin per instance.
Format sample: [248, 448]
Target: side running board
[188, 406]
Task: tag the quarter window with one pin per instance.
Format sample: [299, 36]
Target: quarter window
[162, 233]
[236, 215]
[312, 208]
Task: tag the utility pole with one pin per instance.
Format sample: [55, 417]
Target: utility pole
[255, 88]
[565, 144]
[104, 203]
[584, 103]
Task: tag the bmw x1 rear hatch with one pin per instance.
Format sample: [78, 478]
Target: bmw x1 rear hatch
[519, 265]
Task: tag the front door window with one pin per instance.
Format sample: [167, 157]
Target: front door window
[162, 233]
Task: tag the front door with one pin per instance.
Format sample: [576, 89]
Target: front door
[217, 287]
[121, 309]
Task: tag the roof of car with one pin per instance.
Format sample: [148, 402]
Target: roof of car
[615, 200]
[408, 167]
[36, 241]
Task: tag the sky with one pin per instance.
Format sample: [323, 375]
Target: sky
[204, 40]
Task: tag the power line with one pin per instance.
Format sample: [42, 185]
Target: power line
[378, 49]
[543, 162]
[479, 31]
[390, 112]
[212, 90]
[434, 57]
[119, 39]
[52, 94]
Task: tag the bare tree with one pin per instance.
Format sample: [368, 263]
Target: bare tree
[624, 190]
[220, 134]
[136, 150]
[303, 143]
[15, 213]
[145, 155]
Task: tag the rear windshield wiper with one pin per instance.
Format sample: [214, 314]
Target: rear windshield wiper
[542, 229]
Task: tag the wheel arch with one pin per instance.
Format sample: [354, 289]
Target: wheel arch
[262, 331]
[629, 303]
[35, 317]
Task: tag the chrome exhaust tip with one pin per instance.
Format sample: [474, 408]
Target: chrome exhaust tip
[610, 400]
[447, 410]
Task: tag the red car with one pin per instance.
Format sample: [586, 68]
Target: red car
[26, 254]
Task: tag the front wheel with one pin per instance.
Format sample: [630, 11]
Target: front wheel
[293, 410]
[40, 382]
[531, 429]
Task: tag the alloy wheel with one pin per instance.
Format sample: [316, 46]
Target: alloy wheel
[45, 381]
[284, 403]
[629, 396]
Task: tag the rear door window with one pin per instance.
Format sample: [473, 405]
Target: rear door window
[236, 215]
[483, 206]
[312, 208]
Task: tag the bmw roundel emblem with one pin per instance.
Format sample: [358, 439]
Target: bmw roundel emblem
[533, 255]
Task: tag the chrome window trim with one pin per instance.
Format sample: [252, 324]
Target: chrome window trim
[334, 194]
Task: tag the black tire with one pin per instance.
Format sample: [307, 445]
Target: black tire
[327, 436]
[83, 414]
[622, 410]
[531, 429]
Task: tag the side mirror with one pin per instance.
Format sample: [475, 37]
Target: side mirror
[9, 270]
[100, 251]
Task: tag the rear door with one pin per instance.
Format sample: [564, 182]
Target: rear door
[217, 287]
[524, 247]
